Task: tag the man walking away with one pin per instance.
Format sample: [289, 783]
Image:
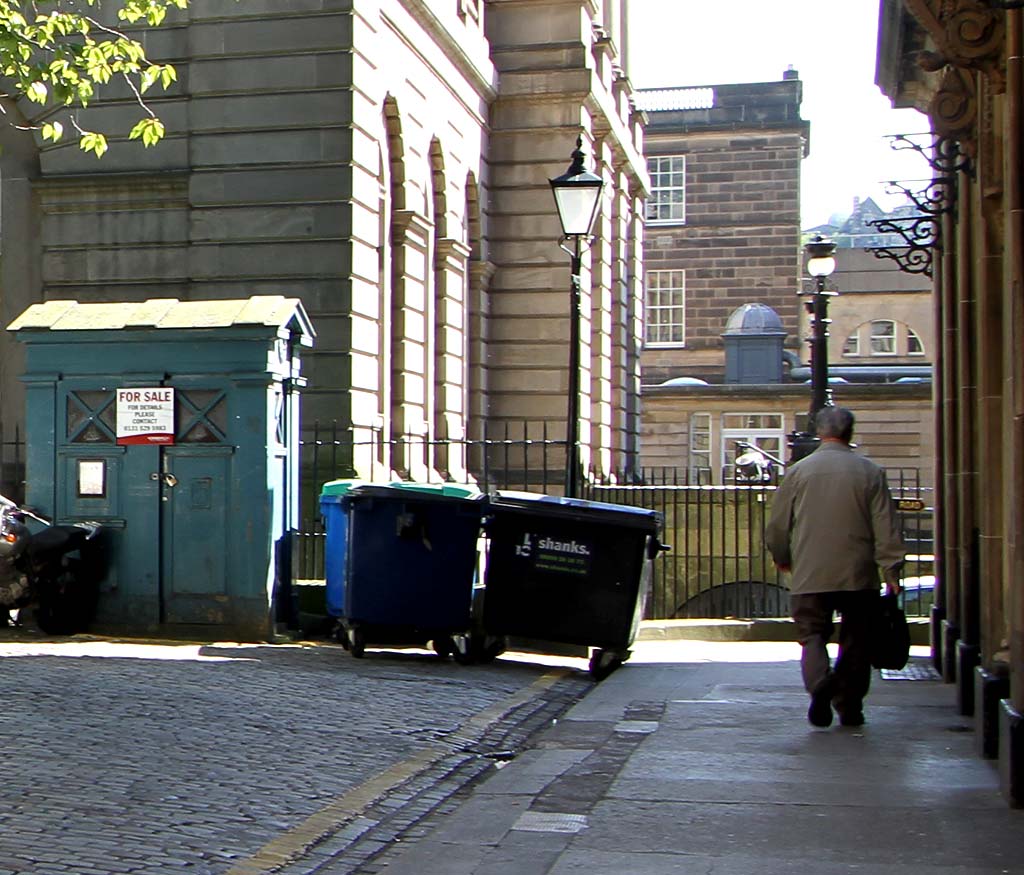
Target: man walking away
[833, 525]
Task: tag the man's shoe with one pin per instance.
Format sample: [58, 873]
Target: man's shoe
[854, 718]
[820, 712]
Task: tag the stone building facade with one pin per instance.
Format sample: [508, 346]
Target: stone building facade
[724, 234]
[723, 223]
[961, 63]
[387, 162]
[696, 427]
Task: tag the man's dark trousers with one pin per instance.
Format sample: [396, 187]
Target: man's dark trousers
[851, 677]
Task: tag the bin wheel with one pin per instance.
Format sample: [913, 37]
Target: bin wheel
[340, 634]
[492, 649]
[476, 649]
[444, 646]
[604, 662]
[462, 649]
[356, 642]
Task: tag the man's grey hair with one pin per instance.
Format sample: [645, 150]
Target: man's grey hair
[834, 422]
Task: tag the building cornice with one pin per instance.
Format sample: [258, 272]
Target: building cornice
[456, 52]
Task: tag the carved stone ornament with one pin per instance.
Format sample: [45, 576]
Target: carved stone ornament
[969, 37]
[953, 109]
[975, 32]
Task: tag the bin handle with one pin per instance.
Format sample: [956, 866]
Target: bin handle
[658, 547]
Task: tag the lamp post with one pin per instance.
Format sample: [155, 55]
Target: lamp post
[577, 193]
[820, 264]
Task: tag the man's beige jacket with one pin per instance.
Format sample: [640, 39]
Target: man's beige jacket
[834, 522]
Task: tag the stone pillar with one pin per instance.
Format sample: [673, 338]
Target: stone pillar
[1011, 724]
[450, 355]
[480, 273]
[410, 236]
[968, 649]
[989, 443]
[937, 616]
[621, 321]
[634, 326]
[948, 488]
[603, 299]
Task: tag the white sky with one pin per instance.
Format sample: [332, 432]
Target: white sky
[831, 43]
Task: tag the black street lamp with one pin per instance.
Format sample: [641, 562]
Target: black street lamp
[820, 264]
[577, 193]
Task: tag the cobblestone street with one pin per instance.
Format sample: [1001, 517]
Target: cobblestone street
[129, 757]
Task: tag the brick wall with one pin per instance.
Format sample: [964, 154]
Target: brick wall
[740, 242]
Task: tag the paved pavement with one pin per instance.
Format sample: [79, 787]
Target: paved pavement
[694, 757]
[697, 758]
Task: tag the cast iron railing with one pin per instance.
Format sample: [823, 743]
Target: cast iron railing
[515, 456]
[717, 567]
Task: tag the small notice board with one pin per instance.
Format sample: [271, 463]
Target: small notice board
[145, 416]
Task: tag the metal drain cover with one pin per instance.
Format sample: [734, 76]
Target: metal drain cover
[549, 821]
[643, 727]
[915, 671]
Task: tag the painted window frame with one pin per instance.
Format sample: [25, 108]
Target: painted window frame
[675, 308]
[916, 338]
[700, 459]
[664, 191]
[757, 434]
[873, 339]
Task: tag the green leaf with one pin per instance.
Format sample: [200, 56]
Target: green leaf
[93, 142]
[54, 53]
[53, 131]
[37, 92]
[149, 130]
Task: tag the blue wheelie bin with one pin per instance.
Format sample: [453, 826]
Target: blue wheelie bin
[408, 564]
[569, 571]
[334, 511]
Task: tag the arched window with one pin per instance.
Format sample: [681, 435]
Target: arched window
[883, 337]
[914, 345]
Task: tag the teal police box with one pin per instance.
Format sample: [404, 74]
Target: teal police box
[175, 425]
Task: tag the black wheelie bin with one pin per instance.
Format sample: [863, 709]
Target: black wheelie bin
[569, 571]
[409, 556]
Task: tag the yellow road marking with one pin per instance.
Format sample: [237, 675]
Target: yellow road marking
[291, 845]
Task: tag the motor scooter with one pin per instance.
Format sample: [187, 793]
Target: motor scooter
[54, 570]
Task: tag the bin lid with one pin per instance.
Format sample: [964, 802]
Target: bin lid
[453, 490]
[417, 492]
[581, 508]
[339, 487]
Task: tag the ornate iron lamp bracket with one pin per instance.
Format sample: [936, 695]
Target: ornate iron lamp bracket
[920, 234]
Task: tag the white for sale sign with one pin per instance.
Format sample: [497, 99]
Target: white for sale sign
[145, 416]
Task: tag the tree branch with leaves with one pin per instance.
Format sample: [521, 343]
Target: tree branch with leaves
[60, 54]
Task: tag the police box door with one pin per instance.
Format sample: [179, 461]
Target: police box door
[192, 480]
[165, 502]
[193, 533]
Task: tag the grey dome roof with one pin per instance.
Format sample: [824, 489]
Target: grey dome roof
[684, 381]
[754, 319]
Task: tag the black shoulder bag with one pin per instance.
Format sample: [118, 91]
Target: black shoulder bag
[890, 636]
